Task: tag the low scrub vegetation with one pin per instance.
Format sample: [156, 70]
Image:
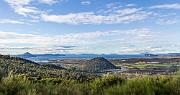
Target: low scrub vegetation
[105, 85]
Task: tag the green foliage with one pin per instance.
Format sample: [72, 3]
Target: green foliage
[104, 82]
[23, 66]
[147, 86]
[105, 85]
[16, 85]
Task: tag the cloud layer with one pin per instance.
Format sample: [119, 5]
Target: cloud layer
[116, 41]
[113, 14]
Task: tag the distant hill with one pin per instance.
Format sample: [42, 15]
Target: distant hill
[174, 54]
[26, 55]
[98, 64]
[42, 57]
[147, 54]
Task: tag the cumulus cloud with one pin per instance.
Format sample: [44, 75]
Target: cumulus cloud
[167, 6]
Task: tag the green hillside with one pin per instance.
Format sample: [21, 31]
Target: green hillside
[34, 70]
[22, 66]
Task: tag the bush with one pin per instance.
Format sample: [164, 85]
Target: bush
[147, 86]
[105, 85]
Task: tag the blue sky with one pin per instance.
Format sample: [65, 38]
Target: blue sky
[89, 26]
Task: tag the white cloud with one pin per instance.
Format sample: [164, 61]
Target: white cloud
[10, 21]
[115, 41]
[12, 37]
[127, 11]
[112, 14]
[167, 21]
[131, 5]
[167, 6]
[23, 7]
[85, 2]
[113, 5]
[88, 37]
[145, 49]
[18, 2]
[85, 39]
[50, 2]
[119, 16]
[26, 10]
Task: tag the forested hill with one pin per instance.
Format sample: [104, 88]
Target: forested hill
[8, 58]
[22, 66]
[31, 69]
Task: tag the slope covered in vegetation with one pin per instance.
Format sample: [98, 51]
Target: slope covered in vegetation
[106, 85]
[33, 70]
[22, 66]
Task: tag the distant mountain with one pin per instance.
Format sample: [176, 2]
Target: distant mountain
[147, 54]
[98, 64]
[44, 57]
[150, 55]
[26, 55]
[174, 54]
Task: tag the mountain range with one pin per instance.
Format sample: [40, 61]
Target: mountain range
[42, 57]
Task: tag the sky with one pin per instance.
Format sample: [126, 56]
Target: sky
[89, 26]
